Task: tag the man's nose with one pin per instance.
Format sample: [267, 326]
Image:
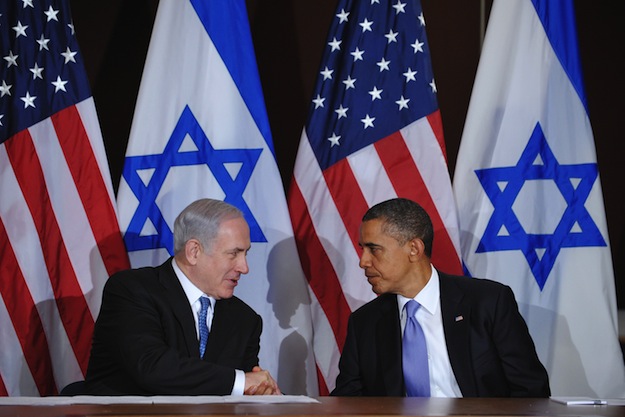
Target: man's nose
[365, 260]
[243, 267]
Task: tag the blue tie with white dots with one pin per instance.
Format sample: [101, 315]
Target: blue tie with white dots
[415, 355]
[202, 324]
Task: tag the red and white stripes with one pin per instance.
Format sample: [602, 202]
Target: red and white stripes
[60, 241]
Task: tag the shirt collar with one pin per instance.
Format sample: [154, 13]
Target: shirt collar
[192, 292]
[428, 297]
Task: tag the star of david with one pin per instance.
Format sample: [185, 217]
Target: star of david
[172, 156]
[504, 231]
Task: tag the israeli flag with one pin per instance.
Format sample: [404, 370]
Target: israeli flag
[529, 195]
[200, 130]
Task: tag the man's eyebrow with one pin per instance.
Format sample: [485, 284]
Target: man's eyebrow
[369, 245]
[237, 249]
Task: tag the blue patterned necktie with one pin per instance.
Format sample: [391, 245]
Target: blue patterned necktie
[415, 355]
[202, 324]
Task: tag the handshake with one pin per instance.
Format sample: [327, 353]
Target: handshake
[260, 382]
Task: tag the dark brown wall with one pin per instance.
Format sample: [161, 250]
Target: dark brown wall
[289, 36]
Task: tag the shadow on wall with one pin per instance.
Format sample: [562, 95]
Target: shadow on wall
[286, 294]
[557, 351]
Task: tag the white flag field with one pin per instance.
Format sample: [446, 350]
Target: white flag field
[529, 195]
[200, 130]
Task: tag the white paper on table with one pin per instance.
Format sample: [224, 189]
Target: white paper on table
[127, 399]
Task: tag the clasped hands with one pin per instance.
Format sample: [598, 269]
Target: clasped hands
[260, 382]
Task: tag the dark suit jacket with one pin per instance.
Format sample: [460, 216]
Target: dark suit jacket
[490, 349]
[145, 341]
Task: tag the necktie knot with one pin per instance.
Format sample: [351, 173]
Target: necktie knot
[205, 303]
[411, 308]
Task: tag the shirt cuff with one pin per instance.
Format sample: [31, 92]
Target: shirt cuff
[239, 382]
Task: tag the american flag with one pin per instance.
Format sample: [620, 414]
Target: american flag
[374, 132]
[59, 237]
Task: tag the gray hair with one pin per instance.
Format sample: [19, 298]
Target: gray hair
[201, 220]
[403, 220]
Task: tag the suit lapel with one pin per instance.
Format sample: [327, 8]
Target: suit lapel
[220, 328]
[388, 335]
[180, 306]
[456, 324]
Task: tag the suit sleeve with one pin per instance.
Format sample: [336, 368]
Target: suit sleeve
[253, 346]
[523, 370]
[348, 382]
[235, 335]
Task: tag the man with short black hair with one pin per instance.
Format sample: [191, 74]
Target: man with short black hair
[428, 333]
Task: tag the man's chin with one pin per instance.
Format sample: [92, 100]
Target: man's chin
[377, 289]
[226, 294]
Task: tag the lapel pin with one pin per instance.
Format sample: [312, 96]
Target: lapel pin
[459, 318]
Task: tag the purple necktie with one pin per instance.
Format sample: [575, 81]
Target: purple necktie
[415, 355]
[202, 324]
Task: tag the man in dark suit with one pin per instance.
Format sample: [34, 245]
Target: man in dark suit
[478, 344]
[148, 333]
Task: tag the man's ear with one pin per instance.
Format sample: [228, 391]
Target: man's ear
[192, 251]
[417, 248]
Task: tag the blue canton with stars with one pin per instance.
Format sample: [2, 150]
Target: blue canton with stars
[576, 228]
[41, 67]
[376, 77]
[173, 157]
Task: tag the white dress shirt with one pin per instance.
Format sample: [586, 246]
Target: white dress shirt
[193, 294]
[442, 379]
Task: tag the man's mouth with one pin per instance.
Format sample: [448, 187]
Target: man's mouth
[371, 275]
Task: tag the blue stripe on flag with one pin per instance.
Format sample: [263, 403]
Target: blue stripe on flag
[558, 19]
[227, 25]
